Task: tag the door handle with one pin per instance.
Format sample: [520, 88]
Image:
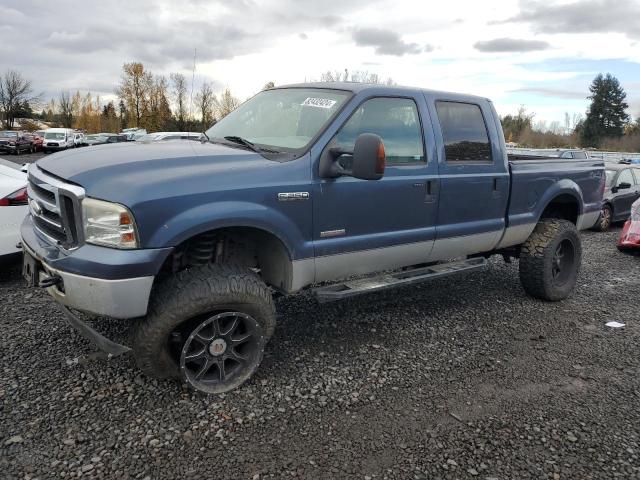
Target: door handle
[496, 193]
[431, 188]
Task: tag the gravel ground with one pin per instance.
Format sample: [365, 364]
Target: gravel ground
[454, 379]
[23, 158]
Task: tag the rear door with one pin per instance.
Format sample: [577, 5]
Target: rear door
[474, 181]
[363, 226]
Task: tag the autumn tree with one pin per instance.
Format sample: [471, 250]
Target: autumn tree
[65, 107]
[135, 86]
[160, 110]
[179, 88]
[227, 103]
[606, 116]
[514, 126]
[16, 92]
[206, 102]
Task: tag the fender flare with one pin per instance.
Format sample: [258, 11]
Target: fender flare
[212, 216]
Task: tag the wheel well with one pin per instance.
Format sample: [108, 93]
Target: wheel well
[246, 246]
[563, 206]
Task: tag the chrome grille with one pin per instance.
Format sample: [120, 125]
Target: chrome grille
[55, 207]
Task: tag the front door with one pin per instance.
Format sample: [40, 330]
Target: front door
[625, 195]
[363, 226]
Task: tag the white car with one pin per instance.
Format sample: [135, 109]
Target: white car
[13, 206]
[163, 136]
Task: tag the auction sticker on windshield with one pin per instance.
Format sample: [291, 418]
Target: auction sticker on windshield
[318, 102]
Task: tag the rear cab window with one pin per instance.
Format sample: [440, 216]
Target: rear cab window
[464, 132]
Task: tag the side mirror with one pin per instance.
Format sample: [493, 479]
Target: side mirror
[623, 186]
[369, 159]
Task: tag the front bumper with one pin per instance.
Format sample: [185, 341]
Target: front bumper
[8, 148]
[97, 280]
[123, 298]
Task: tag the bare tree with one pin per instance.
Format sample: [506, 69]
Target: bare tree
[206, 101]
[227, 104]
[65, 105]
[269, 85]
[15, 93]
[179, 84]
[358, 76]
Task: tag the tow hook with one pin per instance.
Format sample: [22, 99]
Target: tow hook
[50, 281]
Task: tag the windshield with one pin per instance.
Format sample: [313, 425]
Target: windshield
[54, 135]
[8, 134]
[284, 119]
[610, 174]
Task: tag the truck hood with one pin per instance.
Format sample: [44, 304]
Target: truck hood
[130, 173]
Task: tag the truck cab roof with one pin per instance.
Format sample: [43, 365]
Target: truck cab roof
[393, 90]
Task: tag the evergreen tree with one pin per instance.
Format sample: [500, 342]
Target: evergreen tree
[606, 116]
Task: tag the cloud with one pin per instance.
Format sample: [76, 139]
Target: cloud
[385, 42]
[510, 45]
[553, 92]
[586, 16]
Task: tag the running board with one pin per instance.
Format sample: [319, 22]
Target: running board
[339, 291]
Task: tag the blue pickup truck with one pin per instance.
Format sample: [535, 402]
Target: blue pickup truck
[347, 187]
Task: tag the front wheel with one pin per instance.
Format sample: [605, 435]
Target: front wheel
[550, 260]
[207, 325]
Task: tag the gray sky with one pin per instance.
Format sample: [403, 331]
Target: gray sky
[540, 54]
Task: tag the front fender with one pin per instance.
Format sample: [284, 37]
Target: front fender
[211, 216]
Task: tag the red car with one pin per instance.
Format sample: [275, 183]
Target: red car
[37, 141]
[630, 236]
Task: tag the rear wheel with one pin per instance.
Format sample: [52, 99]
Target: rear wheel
[207, 325]
[550, 260]
[604, 220]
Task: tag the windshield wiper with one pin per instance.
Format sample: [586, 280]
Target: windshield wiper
[206, 136]
[250, 145]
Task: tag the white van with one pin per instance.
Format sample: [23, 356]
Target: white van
[58, 139]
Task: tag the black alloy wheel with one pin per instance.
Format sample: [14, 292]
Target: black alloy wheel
[220, 350]
[563, 262]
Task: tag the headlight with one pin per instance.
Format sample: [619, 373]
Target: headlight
[108, 224]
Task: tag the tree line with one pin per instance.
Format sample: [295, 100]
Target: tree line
[606, 125]
[160, 103]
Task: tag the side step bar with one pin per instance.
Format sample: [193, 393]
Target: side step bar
[339, 291]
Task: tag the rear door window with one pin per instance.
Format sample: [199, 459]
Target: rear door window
[464, 132]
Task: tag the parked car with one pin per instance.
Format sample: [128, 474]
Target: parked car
[16, 142]
[118, 139]
[13, 207]
[621, 190]
[164, 136]
[58, 139]
[95, 139]
[299, 185]
[37, 141]
[133, 134]
[78, 139]
[630, 237]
